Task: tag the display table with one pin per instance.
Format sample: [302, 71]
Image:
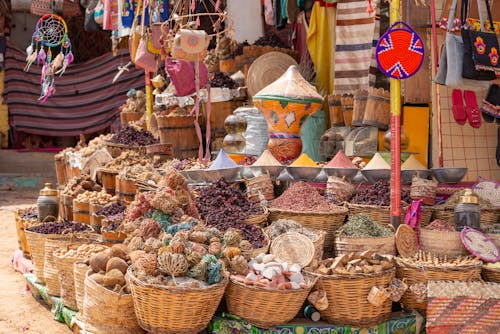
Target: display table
[400, 323]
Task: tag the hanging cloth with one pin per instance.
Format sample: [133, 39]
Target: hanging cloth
[355, 34]
[320, 42]
[111, 15]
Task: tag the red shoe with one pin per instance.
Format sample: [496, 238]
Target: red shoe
[473, 112]
[458, 108]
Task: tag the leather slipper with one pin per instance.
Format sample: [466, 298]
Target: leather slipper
[458, 108]
[473, 112]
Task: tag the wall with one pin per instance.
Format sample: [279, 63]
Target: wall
[463, 146]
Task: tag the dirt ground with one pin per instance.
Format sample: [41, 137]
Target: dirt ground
[19, 311]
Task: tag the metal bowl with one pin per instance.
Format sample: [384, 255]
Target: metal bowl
[232, 174]
[247, 172]
[212, 175]
[303, 173]
[322, 176]
[449, 174]
[348, 173]
[274, 171]
[373, 175]
[407, 175]
[194, 175]
[284, 176]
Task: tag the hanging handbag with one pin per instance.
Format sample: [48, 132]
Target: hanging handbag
[89, 22]
[491, 103]
[135, 36]
[190, 45]
[480, 48]
[99, 13]
[143, 58]
[182, 75]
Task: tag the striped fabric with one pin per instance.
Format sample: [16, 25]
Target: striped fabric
[85, 101]
[354, 49]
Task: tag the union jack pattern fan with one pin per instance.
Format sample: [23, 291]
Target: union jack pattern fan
[400, 52]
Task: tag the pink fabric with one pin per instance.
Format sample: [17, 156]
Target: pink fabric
[21, 264]
[182, 75]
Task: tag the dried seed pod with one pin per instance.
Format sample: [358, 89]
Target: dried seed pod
[147, 263]
[152, 245]
[136, 243]
[172, 264]
[232, 238]
[215, 248]
[193, 257]
[239, 265]
[149, 229]
[177, 246]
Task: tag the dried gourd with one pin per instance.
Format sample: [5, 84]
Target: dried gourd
[99, 261]
[121, 251]
[98, 278]
[117, 263]
[113, 278]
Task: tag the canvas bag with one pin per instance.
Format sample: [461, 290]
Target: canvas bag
[190, 45]
[182, 75]
[451, 61]
[143, 58]
[481, 47]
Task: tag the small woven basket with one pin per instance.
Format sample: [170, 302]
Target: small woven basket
[174, 310]
[265, 307]
[259, 220]
[442, 243]
[108, 312]
[413, 274]
[36, 242]
[487, 218]
[21, 226]
[346, 245]
[79, 272]
[491, 274]
[260, 186]
[293, 247]
[348, 298]
[326, 221]
[116, 149]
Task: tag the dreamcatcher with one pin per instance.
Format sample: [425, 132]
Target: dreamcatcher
[50, 36]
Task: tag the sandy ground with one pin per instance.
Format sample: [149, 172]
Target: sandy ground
[19, 311]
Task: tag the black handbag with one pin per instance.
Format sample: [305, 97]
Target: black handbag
[480, 48]
[90, 24]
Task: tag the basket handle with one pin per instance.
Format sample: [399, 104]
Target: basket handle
[49, 216]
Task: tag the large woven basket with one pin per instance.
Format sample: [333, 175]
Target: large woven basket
[79, 272]
[259, 220]
[21, 226]
[488, 217]
[442, 243]
[174, 310]
[491, 274]
[414, 274]
[326, 221]
[265, 307]
[346, 245]
[108, 312]
[116, 149]
[382, 214]
[36, 242]
[347, 298]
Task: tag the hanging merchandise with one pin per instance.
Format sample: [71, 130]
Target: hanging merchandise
[182, 75]
[491, 104]
[99, 13]
[50, 33]
[143, 58]
[481, 50]
[89, 22]
[127, 13]
[400, 52]
[190, 45]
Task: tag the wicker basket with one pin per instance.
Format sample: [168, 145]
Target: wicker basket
[66, 207]
[36, 242]
[495, 238]
[328, 222]
[259, 220]
[442, 243]
[260, 185]
[421, 274]
[174, 310]
[108, 312]
[491, 274]
[108, 179]
[125, 189]
[346, 245]
[21, 225]
[380, 214]
[265, 307]
[347, 298]
[318, 243]
[79, 272]
[81, 212]
[116, 149]
[488, 217]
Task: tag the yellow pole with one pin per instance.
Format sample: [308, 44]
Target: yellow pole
[149, 100]
[395, 133]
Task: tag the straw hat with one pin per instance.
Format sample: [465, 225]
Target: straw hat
[291, 85]
[266, 69]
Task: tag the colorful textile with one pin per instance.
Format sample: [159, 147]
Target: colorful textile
[354, 41]
[229, 324]
[320, 42]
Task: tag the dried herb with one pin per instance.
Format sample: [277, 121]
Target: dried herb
[362, 226]
[130, 136]
[111, 210]
[302, 197]
[59, 227]
[379, 194]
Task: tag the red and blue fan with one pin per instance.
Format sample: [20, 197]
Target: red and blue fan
[400, 51]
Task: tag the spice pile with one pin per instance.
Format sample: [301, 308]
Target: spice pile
[282, 226]
[361, 226]
[267, 271]
[78, 185]
[133, 137]
[126, 159]
[247, 161]
[440, 225]
[113, 214]
[270, 39]
[340, 160]
[60, 227]
[302, 197]
[223, 81]
[93, 197]
[377, 162]
[146, 173]
[378, 194]
[224, 206]
[367, 262]
[267, 159]
[304, 161]
[83, 252]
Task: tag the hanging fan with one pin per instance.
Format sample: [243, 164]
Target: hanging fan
[51, 34]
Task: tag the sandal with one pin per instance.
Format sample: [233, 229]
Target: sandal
[458, 107]
[473, 112]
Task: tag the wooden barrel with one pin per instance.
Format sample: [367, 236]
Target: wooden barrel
[335, 110]
[108, 180]
[67, 169]
[359, 106]
[81, 212]
[347, 102]
[66, 205]
[125, 189]
[128, 117]
[180, 132]
[378, 108]
[95, 220]
[227, 65]
[60, 170]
